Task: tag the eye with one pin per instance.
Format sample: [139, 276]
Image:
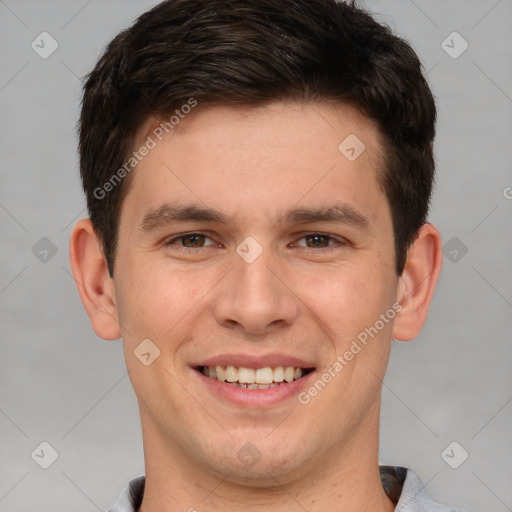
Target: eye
[191, 241]
[319, 241]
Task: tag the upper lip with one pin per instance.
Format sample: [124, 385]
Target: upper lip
[255, 361]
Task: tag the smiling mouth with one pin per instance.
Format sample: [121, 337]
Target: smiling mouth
[254, 378]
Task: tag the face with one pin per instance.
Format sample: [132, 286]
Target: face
[249, 241]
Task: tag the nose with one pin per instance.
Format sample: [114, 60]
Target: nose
[256, 298]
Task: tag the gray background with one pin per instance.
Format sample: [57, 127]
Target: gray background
[63, 385]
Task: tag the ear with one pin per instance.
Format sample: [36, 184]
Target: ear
[417, 283]
[95, 286]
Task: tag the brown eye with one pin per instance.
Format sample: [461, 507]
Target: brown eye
[190, 241]
[317, 240]
[193, 240]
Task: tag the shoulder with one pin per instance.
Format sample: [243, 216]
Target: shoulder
[131, 497]
[404, 486]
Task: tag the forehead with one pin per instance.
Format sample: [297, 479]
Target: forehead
[268, 157]
[323, 116]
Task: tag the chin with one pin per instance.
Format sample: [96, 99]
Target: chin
[259, 461]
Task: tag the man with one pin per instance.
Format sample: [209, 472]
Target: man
[258, 176]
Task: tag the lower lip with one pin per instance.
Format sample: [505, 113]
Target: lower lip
[255, 397]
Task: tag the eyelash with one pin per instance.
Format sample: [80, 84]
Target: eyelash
[338, 242]
[174, 239]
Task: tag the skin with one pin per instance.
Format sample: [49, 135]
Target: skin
[304, 297]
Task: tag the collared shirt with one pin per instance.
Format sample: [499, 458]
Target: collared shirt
[402, 486]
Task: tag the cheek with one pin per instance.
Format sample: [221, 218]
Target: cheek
[157, 297]
[348, 300]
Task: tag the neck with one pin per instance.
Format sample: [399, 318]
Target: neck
[343, 479]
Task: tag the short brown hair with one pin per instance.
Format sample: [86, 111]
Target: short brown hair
[248, 53]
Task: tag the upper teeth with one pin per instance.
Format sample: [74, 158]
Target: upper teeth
[250, 376]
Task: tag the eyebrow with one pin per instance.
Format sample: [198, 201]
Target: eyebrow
[168, 213]
[342, 214]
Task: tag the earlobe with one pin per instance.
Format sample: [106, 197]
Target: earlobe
[93, 281]
[417, 282]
